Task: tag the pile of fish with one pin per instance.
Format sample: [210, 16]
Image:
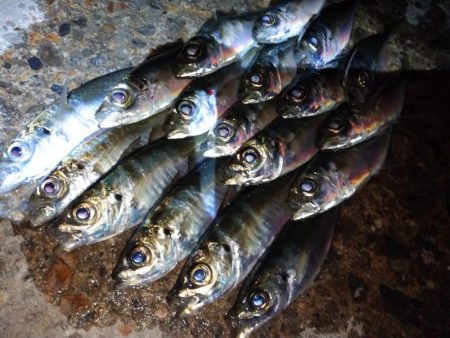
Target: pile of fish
[231, 151]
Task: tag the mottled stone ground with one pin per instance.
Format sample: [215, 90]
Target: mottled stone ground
[388, 270]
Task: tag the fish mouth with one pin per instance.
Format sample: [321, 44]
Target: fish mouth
[177, 134]
[41, 216]
[251, 97]
[305, 211]
[109, 118]
[184, 306]
[10, 180]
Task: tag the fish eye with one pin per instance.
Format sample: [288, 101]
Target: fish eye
[250, 156]
[314, 43]
[84, 212]
[259, 299]
[298, 94]
[335, 125]
[224, 131]
[308, 186]
[201, 274]
[192, 51]
[186, 109]
[18, 151]
[52, 188]
[138, 256]
[267, 20]
[255, 79]
[121, 97]
[363, 79]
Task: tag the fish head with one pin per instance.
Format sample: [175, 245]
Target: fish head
[259, 160]
[193, 114]
[314, 190]
[311, 48]
[302, 98]
[124, 104]
[337, 130]
[261, 83]
[258, 301]
[272, 26]
[145, 256]
[227, 135]
[90, 217]
[200, 56]
[205, 277]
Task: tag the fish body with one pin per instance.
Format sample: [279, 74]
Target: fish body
[312, 93]
[346, 127]
[230, 249]
[280, 148]
[122, 198]
[171, 230]
[332, 177]
[200, 105]
[149, 89]
[218, 43]
[273, 69]
[326, 37]
[84, 166]
[290, 266]
[239, 124]
[285, 20]
[43, 143]
[364, 71]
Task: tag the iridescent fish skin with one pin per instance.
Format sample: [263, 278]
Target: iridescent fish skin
[218, 43]
[327, 36]
[236, 126]
[172, 230]
[83, 167]
[333, 177]
[233, 245]
[149, 89]
[312, 93]
[122, 198]
[290, 266]
[346, 127]
[273, 69]
[364, 70]
[200, 105]
[285, 20]
[43, 143]
[280, 148]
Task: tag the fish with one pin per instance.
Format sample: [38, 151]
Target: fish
[290, 266]
[239, 124]
[285, 20]
[273, 69]
[232, 246]
[326, 37]
[364, 71]
[346, 127]
[55, 132]
[171, 230]
[280, 148]
[206, 99]
[333, 177]
[312, 93]
[121, 199]
[218, 43]
[84, 166]
[13, 204]
[147, 90]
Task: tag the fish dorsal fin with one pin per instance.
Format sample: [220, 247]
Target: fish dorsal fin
[64, 98]
[177, 44]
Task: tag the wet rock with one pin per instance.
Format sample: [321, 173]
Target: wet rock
[7, 65]
[60, 274]
[50, 55]
[71, 304]
[35, 63]
[358, 288]
[64, 29]
[391, 248]
[80, 22]
[57, 88]
[146, 29]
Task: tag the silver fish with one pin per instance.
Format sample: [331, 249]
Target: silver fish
[327, 36]
[171, 230]
[333, 177]
[200, 105]
[346, 127]
[121, 199]
[218, 43]
[149, 89]
[232, 246]
[38, 149]
[237, 126]
[280, 148]
[290, 266]
[83, 167]
[312, 93]
[285, 20]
